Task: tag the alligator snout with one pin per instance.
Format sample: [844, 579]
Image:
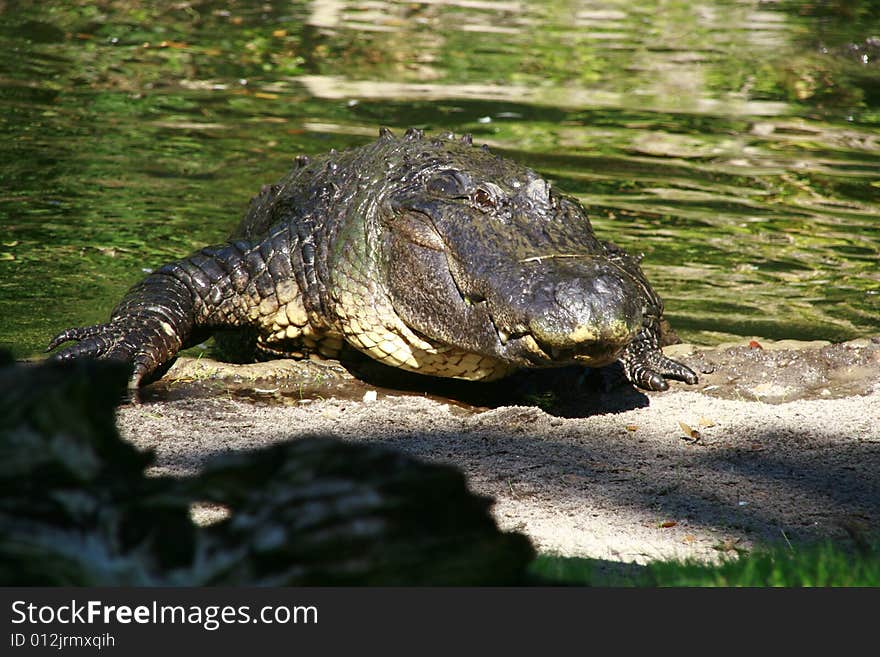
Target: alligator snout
[587, 313]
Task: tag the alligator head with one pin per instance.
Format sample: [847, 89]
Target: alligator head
[481, 253]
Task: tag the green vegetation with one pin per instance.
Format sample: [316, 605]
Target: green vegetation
[824, 564]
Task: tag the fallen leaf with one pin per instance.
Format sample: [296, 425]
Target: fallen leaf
[690, 538]
[279, 33]
[706, 422]
[631, 427]
[667, 524]
[693, 434]
[754, 344]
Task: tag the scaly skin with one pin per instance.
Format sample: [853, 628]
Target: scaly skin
[433, 256]
[173, 307]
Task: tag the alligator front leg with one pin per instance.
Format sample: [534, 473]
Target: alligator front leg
[178, 304]
[646, 366]
[146, 330]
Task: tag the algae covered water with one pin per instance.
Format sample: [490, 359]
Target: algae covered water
[735, 143]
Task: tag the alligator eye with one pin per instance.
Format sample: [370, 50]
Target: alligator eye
[484, 199]
[447, 183]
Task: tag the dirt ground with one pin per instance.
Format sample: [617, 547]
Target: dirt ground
[778, 443]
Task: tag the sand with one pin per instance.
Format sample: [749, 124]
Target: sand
[778, 443]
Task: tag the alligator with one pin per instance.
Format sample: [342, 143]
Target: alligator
[429, 254]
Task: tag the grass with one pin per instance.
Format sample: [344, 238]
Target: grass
[822, 564]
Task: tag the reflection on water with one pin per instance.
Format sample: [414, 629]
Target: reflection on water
[734, 142]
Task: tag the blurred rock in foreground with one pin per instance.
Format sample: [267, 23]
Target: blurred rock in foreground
[77, 509]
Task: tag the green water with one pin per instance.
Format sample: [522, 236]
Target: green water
[736, 144]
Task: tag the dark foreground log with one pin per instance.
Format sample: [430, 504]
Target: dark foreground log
[77, 509]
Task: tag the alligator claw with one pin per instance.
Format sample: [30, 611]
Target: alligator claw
[658, 368]
[653, 381]
[647, 367]
[111, 341]
[675, 370]
[76, 335]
